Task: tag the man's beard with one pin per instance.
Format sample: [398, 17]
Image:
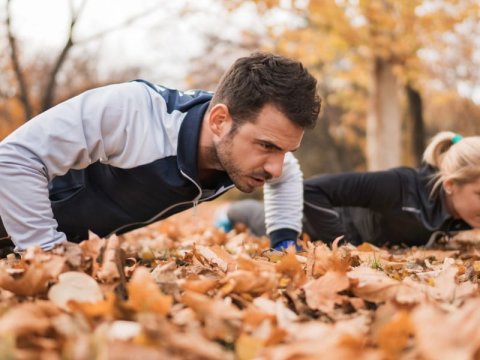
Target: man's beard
[223, 156]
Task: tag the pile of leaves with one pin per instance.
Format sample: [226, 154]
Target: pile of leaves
[185, 290]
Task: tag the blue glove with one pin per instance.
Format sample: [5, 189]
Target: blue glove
[285, 244]
[224, 223]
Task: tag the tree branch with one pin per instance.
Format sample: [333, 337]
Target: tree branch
[49, 90]
[127, 22]
[22, 84]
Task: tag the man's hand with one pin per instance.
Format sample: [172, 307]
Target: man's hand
[285, 244]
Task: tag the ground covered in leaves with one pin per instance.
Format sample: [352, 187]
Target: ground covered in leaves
[182, 289]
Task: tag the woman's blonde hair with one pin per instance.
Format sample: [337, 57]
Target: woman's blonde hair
[456, 158]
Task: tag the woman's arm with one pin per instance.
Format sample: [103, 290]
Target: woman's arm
[325, 195]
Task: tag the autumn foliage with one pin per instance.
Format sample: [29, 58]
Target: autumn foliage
[185, 290]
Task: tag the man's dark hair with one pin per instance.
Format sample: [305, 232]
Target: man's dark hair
[263, 78]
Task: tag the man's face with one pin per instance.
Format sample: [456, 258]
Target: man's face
[255, 151]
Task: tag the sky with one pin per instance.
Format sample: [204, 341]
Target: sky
[161, 43]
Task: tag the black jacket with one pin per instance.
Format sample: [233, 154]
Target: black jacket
[384, 207]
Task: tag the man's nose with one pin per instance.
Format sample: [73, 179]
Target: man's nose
[274, 165]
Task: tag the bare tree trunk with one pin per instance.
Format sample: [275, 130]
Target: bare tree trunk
[17, 69]
[415, 107]
[49, 90]
[384, 120]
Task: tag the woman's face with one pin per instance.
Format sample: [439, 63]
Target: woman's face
[463, 201]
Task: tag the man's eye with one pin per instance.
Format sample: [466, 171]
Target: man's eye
[266, 146]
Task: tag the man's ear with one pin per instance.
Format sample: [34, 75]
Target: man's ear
[219, 120]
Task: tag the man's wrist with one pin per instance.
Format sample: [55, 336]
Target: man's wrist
[280, 235]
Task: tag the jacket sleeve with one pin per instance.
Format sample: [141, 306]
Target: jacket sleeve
[325, 194]
[283, 199]
[108, 124]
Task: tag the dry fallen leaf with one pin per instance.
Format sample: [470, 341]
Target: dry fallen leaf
[182, 290]
[447, 335]
[144, 294]
[322, 259]
[108, 272]
[322, 293]
[290, 267]
[76, 286]
[215, 255]
[374, 285]
[29, 322]
[34, 276]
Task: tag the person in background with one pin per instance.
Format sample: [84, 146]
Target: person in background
[400, 206]
[122, 156]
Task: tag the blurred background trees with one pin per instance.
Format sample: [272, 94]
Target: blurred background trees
[392, 73]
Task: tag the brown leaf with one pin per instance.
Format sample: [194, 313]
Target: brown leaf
[442, 284]
[216, 256]
[374, 285]
[92, 249]
[201, 285]
[321, 259]
[104, 308]
[393, 337]
[447, 335]
[290, 267]
[222, 320]
[120, 350]
[144, 294]
[75, 286]
[317, 340]
[258, 265]
[29, 319]
[72, 252]
[322, 293]
[283, 315]
[256, 283]
[108, 272]
[194, 346]
[39, 271]
[247, 347]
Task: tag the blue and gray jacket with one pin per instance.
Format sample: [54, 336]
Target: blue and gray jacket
[116, 158]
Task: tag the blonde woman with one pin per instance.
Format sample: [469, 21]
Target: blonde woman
[402, 205]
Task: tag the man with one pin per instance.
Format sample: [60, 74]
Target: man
[123, 156]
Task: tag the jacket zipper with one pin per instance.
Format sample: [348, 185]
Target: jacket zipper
[197, 198]
[195, 202]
